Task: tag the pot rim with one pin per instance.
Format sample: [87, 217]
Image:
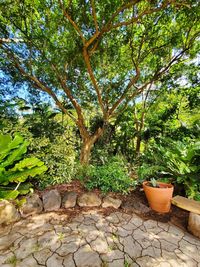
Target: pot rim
[161, 183]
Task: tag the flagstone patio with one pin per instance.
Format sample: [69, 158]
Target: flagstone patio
[94, 240]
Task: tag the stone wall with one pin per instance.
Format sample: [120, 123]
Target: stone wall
[53, 201]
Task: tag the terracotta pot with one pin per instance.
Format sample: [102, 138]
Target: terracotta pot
[159, 199]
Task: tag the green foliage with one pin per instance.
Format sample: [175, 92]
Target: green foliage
[52, 140]
[12, 261]
[176, 160]
[111, 176]
[11, 150]
[100, 63]
[14, 169]
[153, 182]
[58, 156]
[97, 55]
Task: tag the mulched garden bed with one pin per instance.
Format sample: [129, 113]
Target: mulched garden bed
[134, 202]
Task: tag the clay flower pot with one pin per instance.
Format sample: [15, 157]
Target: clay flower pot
[159, 198]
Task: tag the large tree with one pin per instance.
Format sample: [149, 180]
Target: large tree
[95, 54]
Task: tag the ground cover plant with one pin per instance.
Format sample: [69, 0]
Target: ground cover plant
[111, 176]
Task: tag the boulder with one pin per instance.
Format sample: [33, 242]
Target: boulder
[33, 205]
[51, 200]
[111, 202]
[69, 199]
[89, 200]
[194, 224]
[8, 212]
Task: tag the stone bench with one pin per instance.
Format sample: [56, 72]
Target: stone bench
[193, 207]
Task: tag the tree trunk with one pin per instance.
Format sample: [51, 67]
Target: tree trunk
[139, 128]
[86, 151]
[138, 144]
[87, 146]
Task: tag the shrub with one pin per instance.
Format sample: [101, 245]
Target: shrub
[51, 139]
[58, 156]
[176, 160]
[111, 176]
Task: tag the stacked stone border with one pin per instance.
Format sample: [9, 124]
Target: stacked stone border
[53, 201]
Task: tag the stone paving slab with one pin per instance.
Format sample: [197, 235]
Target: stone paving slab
[93, 240]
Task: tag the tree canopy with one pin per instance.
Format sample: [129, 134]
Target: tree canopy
[98, 55]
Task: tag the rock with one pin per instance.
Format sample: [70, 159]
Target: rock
[131, 247]
[8, 212]
[85, 256]
[111, 202]
[69, 199]
[55, 260]
[99, 245]
[89, 200]
[42, 255]
[194, 224]
[136, 207]
[51, 200]
[33, 205]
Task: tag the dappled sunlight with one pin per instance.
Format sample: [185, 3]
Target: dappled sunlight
[91, 239]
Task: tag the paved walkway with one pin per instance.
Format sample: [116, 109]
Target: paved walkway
[92, 240]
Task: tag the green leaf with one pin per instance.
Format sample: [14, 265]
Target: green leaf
[9, 195]
[15, 155]
[22, 170]
[4, 141]
[28, 163]
[21, 176]
[7, 144]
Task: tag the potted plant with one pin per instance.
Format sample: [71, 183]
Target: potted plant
[159, 195]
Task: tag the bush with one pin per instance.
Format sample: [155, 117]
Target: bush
[176, 160]
[51, 142]
[111, 176]
[58, 156]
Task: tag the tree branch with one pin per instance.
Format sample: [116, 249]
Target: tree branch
[35, 81]
[92, 77]
[105, 28]
[91, 40]
[108, 27]
[158, 74]
[62, 82]
[135, 19]
[94, 15]
[73, 23]
[77, 107]
[119, 10]
[10, 40]
[123, 96]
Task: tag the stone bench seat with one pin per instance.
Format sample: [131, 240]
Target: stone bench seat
[187, 204]
[193, 207]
